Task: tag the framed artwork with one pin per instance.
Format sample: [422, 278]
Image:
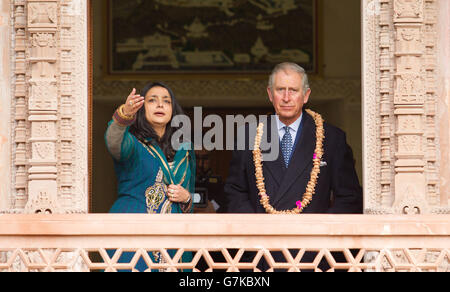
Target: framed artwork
[210, 36]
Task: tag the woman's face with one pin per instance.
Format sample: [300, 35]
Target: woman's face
[158, 107]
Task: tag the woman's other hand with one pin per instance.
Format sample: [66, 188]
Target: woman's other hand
[178, 194]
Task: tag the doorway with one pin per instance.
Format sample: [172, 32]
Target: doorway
[336, 93]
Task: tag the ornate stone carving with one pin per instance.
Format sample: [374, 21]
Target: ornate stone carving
[20, 109]
[43, 105]
[412, 202]
[50, 108]
[43, 95]
[42, 14]
[43, 203]
[378, 105]
[409, 89]
[400, 62]
[409, 95]
[409, 40]
[73, 173]
[408, 9]
[409, 123]
[190, 91]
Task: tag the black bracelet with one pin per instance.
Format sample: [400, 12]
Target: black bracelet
[188, 200]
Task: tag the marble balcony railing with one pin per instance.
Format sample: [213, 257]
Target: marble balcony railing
[229, 242]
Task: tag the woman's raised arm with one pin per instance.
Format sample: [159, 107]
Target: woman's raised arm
[118, 140]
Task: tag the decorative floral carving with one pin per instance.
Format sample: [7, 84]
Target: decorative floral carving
[409, 39]
[410, 123]
[412, 202]
[44, 150]
[42, 13]
[45, 129]
[43, 40]
[43, 95]
[408, 8]
[409, 144]
[41, 204]
[409, 89]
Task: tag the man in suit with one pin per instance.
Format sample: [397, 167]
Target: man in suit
[337, 189]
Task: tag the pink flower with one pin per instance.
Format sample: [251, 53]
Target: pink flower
[299, 204]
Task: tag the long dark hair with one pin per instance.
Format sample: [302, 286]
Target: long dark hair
[142, 129]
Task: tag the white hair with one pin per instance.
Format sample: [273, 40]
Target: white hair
[287, 66]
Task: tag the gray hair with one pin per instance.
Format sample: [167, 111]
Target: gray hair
[291, 67]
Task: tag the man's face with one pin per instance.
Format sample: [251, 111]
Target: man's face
[287, 96]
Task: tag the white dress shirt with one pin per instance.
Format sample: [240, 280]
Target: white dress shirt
[293, 128]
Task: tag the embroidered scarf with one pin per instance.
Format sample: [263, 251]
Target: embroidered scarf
[183, 168]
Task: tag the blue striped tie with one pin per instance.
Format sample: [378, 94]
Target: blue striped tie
[286, 146]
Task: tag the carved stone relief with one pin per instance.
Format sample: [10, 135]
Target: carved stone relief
[50, 107]
[43, 105]
[43, 14]
[399, 78]
[409, 92]
[408, 9]
[20, 122]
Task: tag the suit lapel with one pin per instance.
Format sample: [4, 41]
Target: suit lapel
[302, 157]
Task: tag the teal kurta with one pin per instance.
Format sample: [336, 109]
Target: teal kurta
[143, 175]
[137, 168]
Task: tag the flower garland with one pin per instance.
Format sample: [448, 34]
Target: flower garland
[310, 188]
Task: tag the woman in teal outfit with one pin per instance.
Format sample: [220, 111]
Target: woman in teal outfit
[152, 177]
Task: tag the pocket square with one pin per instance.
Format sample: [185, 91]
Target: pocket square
[323, 163]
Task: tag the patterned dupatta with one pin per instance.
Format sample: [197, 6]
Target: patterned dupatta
[183, 167]
[180, 172]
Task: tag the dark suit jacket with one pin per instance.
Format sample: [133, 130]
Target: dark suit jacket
[337, 190]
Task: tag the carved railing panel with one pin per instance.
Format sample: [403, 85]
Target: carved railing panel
[229, 260]
[231, 243]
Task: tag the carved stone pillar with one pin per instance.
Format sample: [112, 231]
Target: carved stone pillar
[400, 98]
[409, 108]
[42, 29]
[378, 140]
[20, 108]
[50, 127]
